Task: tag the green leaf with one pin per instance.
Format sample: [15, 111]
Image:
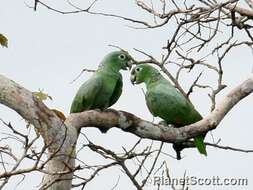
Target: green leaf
[42, 96]
[3, 40]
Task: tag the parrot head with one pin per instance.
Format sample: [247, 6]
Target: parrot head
[117, 60]
[143, 73]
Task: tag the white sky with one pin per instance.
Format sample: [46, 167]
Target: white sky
[48, 50]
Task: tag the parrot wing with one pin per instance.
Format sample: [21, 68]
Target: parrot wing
[166, 105]
[169, 106]
[86, 95]
[117, 91]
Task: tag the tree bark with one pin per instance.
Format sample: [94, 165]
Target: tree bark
[60, 138]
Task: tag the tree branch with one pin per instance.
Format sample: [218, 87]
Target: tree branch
[145, 129]
[60, 138]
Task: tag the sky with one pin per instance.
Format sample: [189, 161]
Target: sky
[48, 50]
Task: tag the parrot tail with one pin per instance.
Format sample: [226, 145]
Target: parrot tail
[102, 130]
[178, 155]
[178, 147]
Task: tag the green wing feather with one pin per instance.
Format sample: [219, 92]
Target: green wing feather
[165, 101]
[86, 95]
[117, 91]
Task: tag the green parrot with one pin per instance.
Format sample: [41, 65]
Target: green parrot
[104, 87]
[165, 101]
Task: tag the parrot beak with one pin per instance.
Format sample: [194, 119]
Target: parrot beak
[130, 64]
[133, 77]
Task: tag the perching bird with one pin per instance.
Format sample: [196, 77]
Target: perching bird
[104, 88]
[165, 101]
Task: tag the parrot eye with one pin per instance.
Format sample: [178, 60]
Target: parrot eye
[138, 69]
[122, 57]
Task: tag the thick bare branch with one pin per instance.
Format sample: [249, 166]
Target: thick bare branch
[145, 129]
[59, 138]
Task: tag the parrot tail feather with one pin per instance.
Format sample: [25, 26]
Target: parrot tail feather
[103, 130]
[199, 143]
[178, 147]
[178, 155]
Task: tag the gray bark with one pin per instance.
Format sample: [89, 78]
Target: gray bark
[61, 137]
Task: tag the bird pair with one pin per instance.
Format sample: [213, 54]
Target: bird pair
[163, 100]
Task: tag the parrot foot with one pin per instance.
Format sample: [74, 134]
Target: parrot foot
[165, 123]
[99, 110]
